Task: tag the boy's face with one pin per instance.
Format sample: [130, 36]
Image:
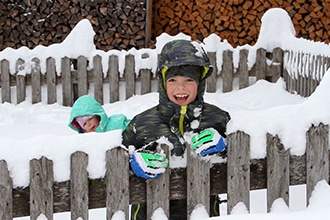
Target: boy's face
[91, 124]
[181, 90]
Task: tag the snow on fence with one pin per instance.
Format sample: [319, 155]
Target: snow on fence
[120, 187]
[301, 71]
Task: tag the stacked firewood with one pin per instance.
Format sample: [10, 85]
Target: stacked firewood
[239, 21]
[123, 24]
[118, 24]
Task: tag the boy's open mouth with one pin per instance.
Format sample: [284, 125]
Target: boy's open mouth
[181, 97]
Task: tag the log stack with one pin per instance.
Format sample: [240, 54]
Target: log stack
[118, 24]
[123, 24]
[239, 21]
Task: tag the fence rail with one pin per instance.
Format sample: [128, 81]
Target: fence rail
[120, 187]
[302, 73]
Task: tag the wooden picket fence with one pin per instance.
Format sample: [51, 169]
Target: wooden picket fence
[76, 79]
[196, 183]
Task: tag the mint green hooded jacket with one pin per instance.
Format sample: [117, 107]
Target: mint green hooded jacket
[87, 105]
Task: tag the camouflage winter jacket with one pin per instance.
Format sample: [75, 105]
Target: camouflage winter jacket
[164, 120]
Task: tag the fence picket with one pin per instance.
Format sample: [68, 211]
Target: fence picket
[113, 73]
[82, 76]
[261, 64]
[98, 79]
[129, 75]
[5, 82]
[79, 185]
[278, 177]
[117, 182]
[227, 71]
[317, 152]
[6, 189]
[67, 93]
[51, 81]
[243, 69]
[158, 191]
[41, 188]
[211, 82]
[20, 82]
[197, 167]
[36, 80]
[238, 165]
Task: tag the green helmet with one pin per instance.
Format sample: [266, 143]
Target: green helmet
[184, 52]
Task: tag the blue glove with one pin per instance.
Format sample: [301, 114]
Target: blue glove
[147, 164]
[208, 142]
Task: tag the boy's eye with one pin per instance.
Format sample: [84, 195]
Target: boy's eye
[171, 80]
[189, 80]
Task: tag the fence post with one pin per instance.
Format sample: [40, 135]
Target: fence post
[35, 80]
[243, 69]
[66, 82]
[5, 82]
[79, 185]
[82, 76]
[261, 64]
[51, 81]
[198, 182]
[130, 75]
[113, 73]
[277, 65]
[98, 79]
[317, 156]
[238, 166]
[117, 182]
[41, 188]
[278, 167]
[20, 81]
[227, 71]
[6, 192]
[211, 81]
[158, 191]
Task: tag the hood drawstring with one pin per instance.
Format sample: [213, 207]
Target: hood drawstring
[182, 114]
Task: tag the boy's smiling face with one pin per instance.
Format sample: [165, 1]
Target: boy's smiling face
[181, 90]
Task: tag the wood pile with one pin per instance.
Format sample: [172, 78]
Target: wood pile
[239, 21]
[118, 24]
[123, 24]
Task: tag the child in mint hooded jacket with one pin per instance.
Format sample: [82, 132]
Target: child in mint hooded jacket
[87, 108]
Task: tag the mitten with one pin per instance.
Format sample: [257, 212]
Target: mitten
[148, 164]
[208, 142]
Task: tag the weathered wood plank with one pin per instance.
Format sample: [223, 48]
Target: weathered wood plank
[243, 70]
[82, 76]
[159, 188]
[98, 79]
[51, 81]
[6, 189]
[211, 82]
[79, 185]
[317, 152]
[198, 182]
[117, 182]
[35, 80]
[227, 71]
[67, 94]
[145, 81]
[20, 81]
[261, 65]
[278, 177]
[129, 73]
[5, 82]
[41, 188]
[238, 178]
[113, 73]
